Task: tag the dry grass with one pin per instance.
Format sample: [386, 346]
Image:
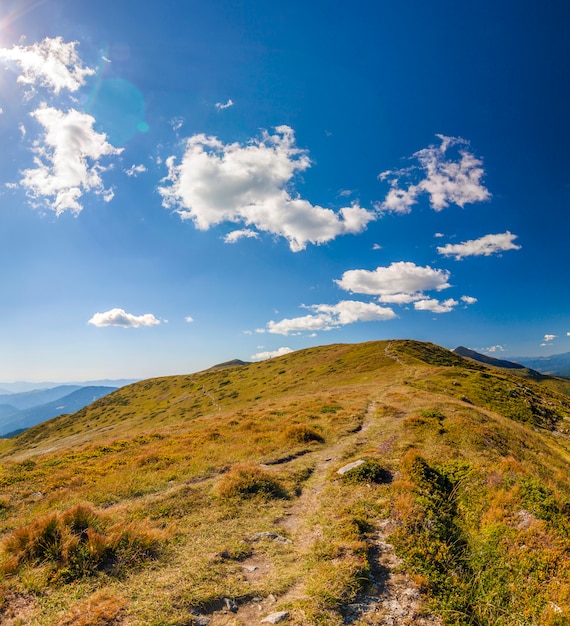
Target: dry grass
[151, 503]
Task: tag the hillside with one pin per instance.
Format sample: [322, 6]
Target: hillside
[216, 497]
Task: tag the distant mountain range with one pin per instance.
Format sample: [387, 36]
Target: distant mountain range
[20, 411]
[554, 365]
[23, 385]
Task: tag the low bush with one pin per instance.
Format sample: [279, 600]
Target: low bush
[301, 433]
[371, 471]
[79, 542]
[249, 481]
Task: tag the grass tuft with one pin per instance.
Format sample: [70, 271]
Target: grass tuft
[248, 481]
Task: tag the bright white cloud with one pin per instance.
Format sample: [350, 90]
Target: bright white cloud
[220, 106]
[445, 180]
[252, 184]
[270, 354]
[400, 282]
[550, 337]
[435, 306]
[189, 319]
[118, 317]
[52, 63]
[468, 299]
[236, 235]
[67, 160]
[438, 235]
[135, 170]
[329, 316]
[484, 246]
[497, 348]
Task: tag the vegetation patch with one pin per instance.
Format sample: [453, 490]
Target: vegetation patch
[371, 471]
[301, 433]
[79, 542]
[249, 481]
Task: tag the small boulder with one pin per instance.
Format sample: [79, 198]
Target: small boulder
[275, 618]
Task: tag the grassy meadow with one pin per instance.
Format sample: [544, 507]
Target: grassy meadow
[215, 496]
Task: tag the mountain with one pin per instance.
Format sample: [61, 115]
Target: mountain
[389, 482]
[488, 360]
[28, 399]
[556, 365]
[25, 386]
[77, 399]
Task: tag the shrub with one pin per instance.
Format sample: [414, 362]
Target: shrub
[248, 481]
[371, 471]
[78, 543]
[301, 433]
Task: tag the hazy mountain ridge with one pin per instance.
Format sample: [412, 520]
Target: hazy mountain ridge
[556, 364]
[26, 386]
[226, 481]
[28, 416]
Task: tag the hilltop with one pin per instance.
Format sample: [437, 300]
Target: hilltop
[390, 482]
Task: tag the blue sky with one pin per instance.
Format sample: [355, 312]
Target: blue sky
[183, 183]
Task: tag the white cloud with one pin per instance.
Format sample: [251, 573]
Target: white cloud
[135, 170]
[51, 63]
[329, 316]
[118, 317]
[484, 246]
[438, 235]
[568, 334]
[271, 354]
[468, 299]
[236, 235]
[400, 282]
[444, 180]
[252, 184]
[435, 306]
[497, 348]
[67, 160]
[376, 246]
[550, 337]
[189, 319]
[227, 105]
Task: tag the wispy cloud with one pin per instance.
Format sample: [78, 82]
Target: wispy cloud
[252, 184]
[118, 317]
[221, 106]
[497, 348]
[484, 246]
[329, 316]
[468, 299]
[435, 306]
[52, 63]
[135, 170]
[68, 160]
[444, 180]
[259, 356]
[400, 282]
[189, 319]
[236, 235]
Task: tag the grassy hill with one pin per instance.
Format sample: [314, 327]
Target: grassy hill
[215, 498]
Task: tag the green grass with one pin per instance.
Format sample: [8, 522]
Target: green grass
[148, 504]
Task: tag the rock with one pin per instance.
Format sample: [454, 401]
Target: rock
[349, 466]
[249, 568]
[275, 618]
[230, 605]
[200, 620]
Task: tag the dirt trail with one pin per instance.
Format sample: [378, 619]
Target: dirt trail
[391, 598]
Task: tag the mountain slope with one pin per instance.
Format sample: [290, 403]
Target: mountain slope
[70, 403]
[216, 497]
